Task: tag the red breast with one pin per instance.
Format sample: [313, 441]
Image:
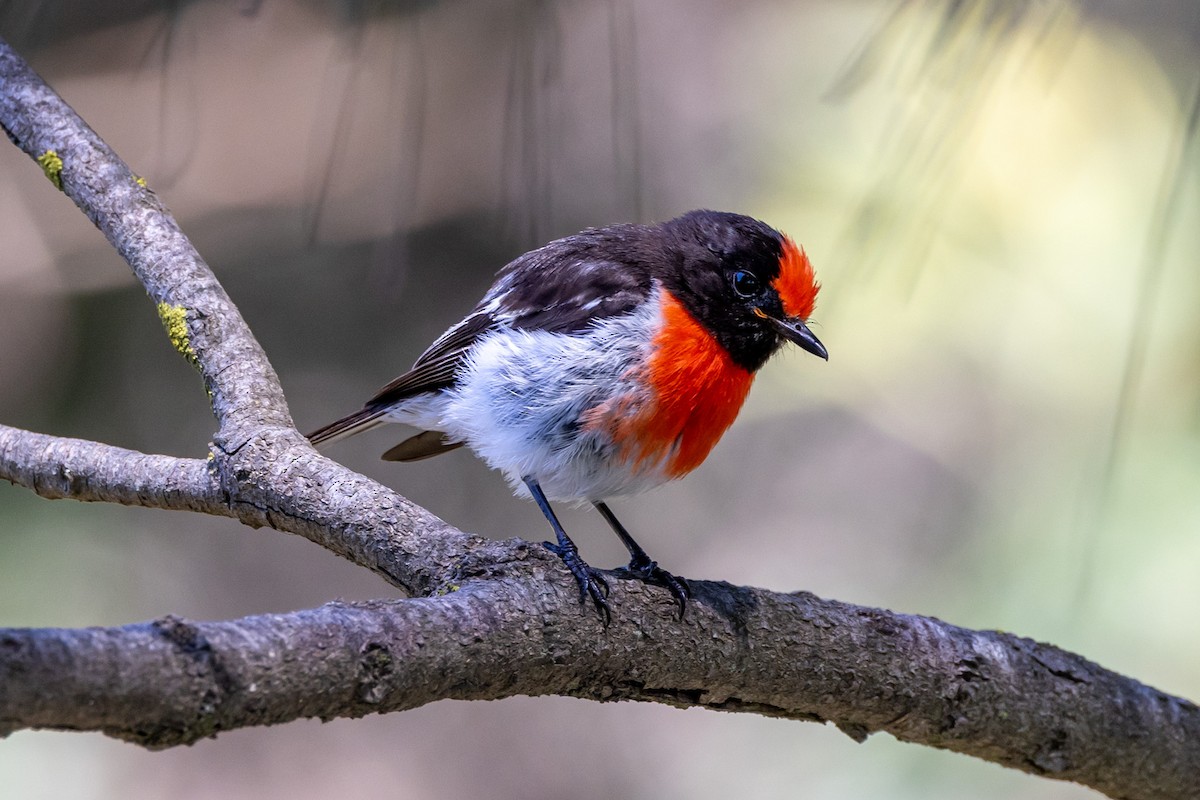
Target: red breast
[694, 392]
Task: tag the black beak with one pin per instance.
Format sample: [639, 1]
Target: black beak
[795, 330]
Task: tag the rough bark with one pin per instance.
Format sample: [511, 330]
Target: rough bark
[988, 694]
[488, 619]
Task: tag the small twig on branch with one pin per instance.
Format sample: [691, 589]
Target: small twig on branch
[55, 468]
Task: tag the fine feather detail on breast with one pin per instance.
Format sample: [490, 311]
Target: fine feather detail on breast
[695, 392]
[523, 406]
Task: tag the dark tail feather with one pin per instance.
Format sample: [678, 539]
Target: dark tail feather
[426, 444]
[357, 422]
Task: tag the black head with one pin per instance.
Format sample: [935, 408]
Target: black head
[747, 283]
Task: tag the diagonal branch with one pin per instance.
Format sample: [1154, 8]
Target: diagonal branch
[201, 320]
[263, 468]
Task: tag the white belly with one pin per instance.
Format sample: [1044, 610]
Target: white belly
[519, 404]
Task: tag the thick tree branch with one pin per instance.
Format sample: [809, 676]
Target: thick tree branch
[278, 480]
[987, 694]
[492, 619]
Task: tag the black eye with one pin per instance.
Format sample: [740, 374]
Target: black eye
[746, 283]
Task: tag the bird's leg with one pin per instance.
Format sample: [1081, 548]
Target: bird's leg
[641, 565]
[591, 582]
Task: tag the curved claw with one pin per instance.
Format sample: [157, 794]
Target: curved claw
[591, 583]
[650, 572]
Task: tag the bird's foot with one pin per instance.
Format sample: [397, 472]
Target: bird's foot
[649, 571]
[591, 583]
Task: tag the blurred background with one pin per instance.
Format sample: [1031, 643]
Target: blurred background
[1000, 200]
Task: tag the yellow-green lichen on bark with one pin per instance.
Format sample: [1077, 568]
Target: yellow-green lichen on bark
[52, 165]
[174, 320]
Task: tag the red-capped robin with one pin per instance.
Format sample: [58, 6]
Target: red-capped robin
[604, 364]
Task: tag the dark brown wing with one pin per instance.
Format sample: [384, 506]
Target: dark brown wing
[562, 287]
[436, 367]
[434, 370]
[568, 284]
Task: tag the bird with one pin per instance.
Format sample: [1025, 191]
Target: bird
[604, 364]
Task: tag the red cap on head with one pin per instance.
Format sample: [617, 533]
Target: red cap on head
[796, 283]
